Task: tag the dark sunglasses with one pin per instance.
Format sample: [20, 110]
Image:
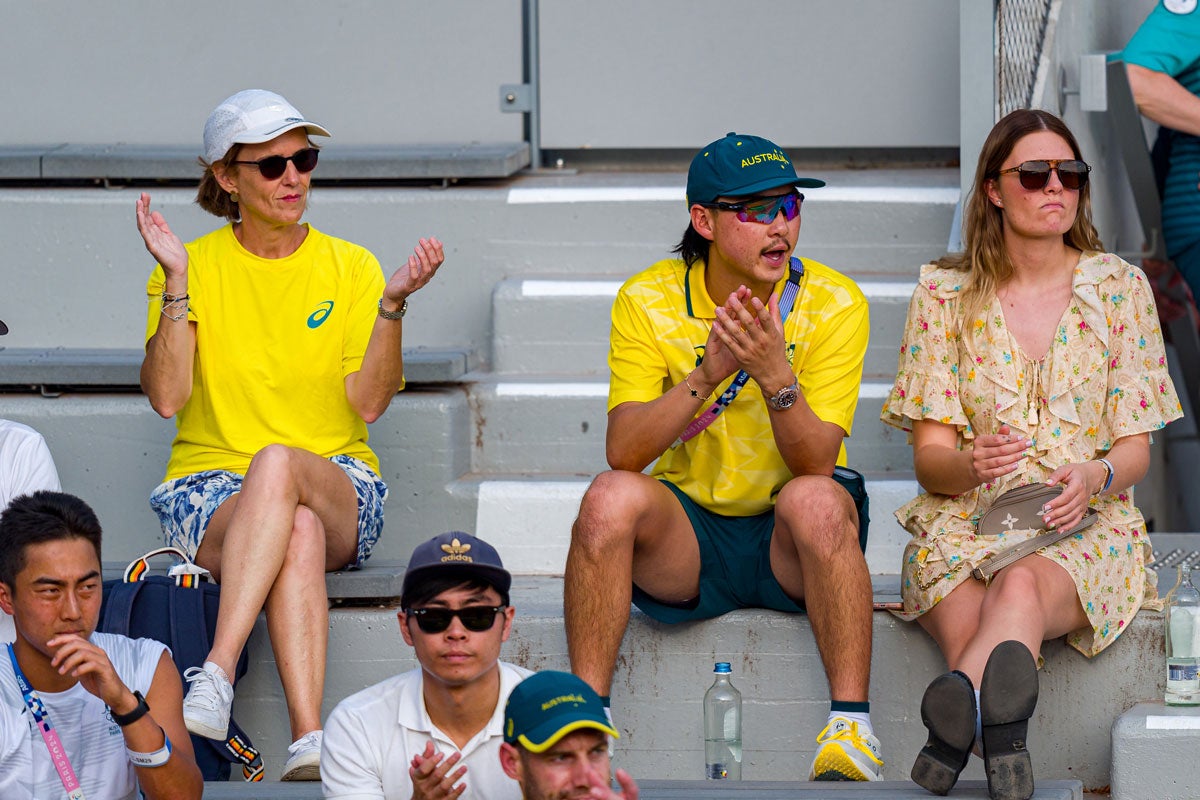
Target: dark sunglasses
[1073, 174]
[436, 620]
[273, 167]
[763, 209]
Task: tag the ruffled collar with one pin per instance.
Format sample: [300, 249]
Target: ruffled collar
[1062, 368]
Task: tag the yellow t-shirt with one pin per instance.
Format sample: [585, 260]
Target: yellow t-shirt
[275, 340]
[661, 319]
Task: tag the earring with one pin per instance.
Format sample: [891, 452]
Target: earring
[234, 197]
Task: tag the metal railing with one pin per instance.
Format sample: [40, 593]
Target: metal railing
[1021, 46]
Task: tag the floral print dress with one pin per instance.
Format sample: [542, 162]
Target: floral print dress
[1104, 377]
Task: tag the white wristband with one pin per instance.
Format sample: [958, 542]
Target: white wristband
[156, 759]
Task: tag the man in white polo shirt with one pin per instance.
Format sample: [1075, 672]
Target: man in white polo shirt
[436, 731]
[25, 466]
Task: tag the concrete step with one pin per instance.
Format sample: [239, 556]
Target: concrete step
[541, 425]
[529, 519]
[608, 224]
[561, 326]
[112, 450]
[1154, 753]
[663, 672]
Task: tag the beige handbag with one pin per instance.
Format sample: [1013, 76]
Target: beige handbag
[1020, 509]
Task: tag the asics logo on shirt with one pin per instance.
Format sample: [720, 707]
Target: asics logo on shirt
[321, 314]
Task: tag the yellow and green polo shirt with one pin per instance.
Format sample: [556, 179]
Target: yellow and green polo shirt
[660, 323]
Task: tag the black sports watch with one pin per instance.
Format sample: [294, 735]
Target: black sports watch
[139, 711]
[785, 397]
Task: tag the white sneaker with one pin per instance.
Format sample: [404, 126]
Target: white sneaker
[304, 758]
[845, 754]
[208, 702]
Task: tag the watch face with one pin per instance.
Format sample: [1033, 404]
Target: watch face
[784, 398]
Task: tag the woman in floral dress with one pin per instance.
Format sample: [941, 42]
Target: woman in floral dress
[1033, 356]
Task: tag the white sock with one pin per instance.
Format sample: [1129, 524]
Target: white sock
[863, 718]
[978, 720]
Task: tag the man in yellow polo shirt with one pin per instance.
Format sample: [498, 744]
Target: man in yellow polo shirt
[735, 370]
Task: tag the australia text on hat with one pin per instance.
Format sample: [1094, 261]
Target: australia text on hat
[774, 155]
[564, 698]
[456, 551]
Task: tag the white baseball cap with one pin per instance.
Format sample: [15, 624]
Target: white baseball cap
[249, 117]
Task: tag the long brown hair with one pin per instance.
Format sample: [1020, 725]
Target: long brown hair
[984, 257]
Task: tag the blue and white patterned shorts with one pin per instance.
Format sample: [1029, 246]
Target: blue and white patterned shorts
[185, 505]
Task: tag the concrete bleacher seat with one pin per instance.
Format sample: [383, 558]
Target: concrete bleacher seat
[502, 438]
[663, 671]
[131, 162]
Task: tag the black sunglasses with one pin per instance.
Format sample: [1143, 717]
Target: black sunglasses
[436, 620]
[1072, 173]
[273, 167]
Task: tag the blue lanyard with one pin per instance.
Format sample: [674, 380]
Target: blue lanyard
[41, 717]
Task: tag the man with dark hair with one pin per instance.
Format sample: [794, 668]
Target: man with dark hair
[434, 732]
[82, 711]
[556, 741]
[749, 503]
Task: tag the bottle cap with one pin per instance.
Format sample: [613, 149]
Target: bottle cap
[722, 667]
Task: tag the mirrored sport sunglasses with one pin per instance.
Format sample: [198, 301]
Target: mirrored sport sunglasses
[1073, 174]
[273, 167]
[763, 209]
[436, 620]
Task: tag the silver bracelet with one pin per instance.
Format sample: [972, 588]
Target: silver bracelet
[1111, 473]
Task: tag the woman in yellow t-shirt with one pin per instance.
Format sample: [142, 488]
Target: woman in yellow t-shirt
[273, 345]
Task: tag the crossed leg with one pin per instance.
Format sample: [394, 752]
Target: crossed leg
[269, 547]
[1030, 601]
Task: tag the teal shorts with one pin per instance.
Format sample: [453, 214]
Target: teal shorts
[735, 563]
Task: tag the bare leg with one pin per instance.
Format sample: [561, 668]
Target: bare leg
[1030, 601]
[630, 528]
[295, 518]
[298, 621]
[815, 557]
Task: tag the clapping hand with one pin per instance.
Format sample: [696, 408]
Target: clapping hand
[162, 243]
[432, 777]
[601, 790]
[416, 272]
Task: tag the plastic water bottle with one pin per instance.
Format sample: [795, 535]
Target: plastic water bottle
[1183, 643]
[722, 728]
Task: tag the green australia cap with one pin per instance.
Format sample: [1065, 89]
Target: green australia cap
[738, 166]
[547, 706]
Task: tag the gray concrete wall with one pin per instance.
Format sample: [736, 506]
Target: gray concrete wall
[145, 72]
[673, 73]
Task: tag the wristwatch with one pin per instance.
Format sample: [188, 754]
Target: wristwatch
[785, 397]
[139, 711]
[393, 314]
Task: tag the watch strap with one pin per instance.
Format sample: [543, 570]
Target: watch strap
[139, 711]
[393, 314]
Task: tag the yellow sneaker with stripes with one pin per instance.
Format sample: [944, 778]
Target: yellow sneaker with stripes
[846, 754]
